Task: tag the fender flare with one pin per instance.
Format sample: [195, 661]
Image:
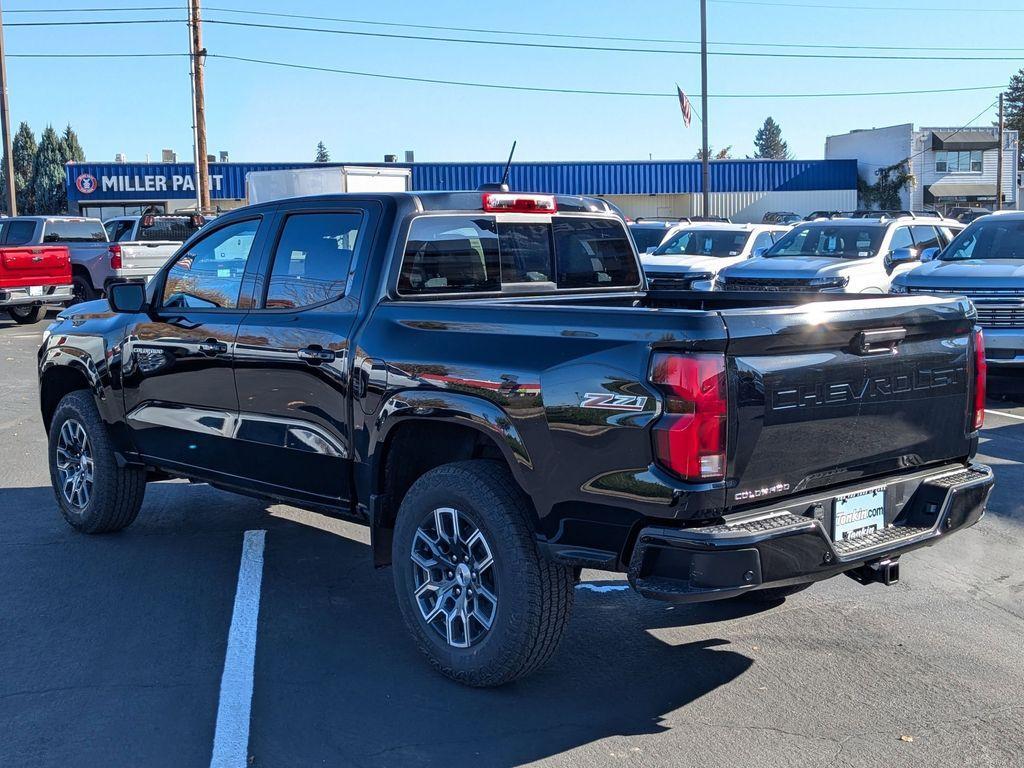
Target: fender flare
[82, 364]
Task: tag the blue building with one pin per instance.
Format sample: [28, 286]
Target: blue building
[741, 189]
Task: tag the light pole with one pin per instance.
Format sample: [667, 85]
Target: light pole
[5, 129]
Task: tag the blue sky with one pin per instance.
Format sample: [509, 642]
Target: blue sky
[264, 113]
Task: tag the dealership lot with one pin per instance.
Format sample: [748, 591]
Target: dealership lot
[112, 648]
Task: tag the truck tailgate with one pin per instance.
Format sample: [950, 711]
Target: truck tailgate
[144, 258]
[834, 392]
[29, 265]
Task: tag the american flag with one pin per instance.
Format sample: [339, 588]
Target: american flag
[684, 106]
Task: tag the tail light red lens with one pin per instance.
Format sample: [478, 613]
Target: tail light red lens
[506, 202]
[980, 375]
[115, 256]
[689, 438]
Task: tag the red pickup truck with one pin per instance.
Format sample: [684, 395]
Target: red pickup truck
[32, 276]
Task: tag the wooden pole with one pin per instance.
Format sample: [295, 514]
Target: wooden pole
[5, 129]
[999, 159]
[199, 97]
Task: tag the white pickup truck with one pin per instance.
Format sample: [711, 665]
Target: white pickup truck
[140, 245]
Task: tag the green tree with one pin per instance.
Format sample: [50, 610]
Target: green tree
[768, 143]
[48, 189]
[322, 155]
[73, 152]
[722, 154]
[23, 150]
[1013, 108]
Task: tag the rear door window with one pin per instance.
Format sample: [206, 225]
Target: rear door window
[312, 259]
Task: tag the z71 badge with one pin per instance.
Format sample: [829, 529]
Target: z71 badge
[610, 402]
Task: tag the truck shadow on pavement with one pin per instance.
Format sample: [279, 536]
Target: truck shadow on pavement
[126, 633]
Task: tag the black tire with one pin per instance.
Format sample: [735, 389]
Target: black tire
[533, 595]
[116, 492]
[775, 594]
[26, 314]
[82, 289]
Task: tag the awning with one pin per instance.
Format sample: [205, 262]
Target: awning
[964, 141]
[952, 189]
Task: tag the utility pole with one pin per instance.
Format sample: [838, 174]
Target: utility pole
[706, 167]
[999, 158]
[199, 105]
[5, 129]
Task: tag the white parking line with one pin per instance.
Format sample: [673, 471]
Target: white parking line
[231, 736]
[1007, 415]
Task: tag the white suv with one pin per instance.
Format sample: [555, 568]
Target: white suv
[691, 256]
[856, 255]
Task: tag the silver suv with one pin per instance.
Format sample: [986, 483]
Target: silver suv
[985, 263]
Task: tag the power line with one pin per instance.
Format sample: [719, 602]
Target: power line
[589, 92]
[832, 6]
[615, 49]
[95, 55]
[518, 33]
[94, 22]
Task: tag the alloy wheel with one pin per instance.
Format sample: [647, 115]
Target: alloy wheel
[453, 576]
[75, 464]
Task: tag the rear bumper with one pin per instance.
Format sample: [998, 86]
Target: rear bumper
[37, 294]
[129, 276]
[773, 547]
[1004, 346]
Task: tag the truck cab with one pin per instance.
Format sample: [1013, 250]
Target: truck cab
[851, 255]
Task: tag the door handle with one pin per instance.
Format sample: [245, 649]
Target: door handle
[213, 347]
[316, 355]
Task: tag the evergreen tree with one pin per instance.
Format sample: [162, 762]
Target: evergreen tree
[722, 154]
[48, 176]
[322, 155]
[73, 152]
[23, 150]
[768, 142]
[1013, 108]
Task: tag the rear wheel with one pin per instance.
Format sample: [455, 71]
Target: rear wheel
[94, 494]
[27, 313]
[481, 601]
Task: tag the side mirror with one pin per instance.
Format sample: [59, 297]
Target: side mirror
[929, 254]
[902, 256]
[127, 298]
[759, 252]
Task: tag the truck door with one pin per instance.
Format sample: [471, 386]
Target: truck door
[292, 360]
[179, 388]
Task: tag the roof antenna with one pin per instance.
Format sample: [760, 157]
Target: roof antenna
[502, 186]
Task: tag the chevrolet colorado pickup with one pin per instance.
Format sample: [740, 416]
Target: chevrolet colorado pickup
[483, 379]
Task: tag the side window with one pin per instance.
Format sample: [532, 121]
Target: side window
[312, 259]
[901, 238]
[209, 274]
[926, 237]
[111, 227]
[123, 231]
[763, 240]
[19, 232]
[451, 254]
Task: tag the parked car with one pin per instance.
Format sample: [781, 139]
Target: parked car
[780, 217]
[142, 244]
[648, 234]
[86, 241]
[970, 214]
[860, 255]
[31, 276]
[692, 256]
[482, 379]
[815, 215]
[985, 263]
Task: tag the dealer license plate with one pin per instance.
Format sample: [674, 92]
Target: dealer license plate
[35, 290]
[858, 514]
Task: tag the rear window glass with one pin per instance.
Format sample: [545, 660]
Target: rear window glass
[74, 231]
[174, 228]
[475, 254]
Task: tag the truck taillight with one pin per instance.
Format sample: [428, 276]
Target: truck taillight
[115, 256]
[980, 374]
[513, 202]
[689, 438]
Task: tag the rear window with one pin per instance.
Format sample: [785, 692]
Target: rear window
[74, 231]
[475, 254]
[175, 228]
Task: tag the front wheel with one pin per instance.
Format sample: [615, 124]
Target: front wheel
[94, 494]
[481, 601]
[26, 314]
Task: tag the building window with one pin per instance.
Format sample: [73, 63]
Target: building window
[959, 162]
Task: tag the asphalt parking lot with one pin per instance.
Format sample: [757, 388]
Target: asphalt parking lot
[112, 648]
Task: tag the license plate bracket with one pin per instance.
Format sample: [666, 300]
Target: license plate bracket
[858, 514]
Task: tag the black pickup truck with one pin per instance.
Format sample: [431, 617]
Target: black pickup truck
[482, 378]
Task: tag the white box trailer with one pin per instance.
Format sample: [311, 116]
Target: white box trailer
[265, 186]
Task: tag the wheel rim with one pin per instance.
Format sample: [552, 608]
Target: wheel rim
[78, 291]
[23, 311]
[453, 578]
[75, 464]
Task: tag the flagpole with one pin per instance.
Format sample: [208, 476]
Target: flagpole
[706, 165]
